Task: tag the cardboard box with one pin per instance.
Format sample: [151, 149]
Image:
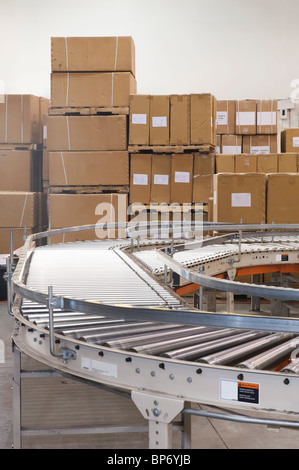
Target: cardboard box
[92, 89]
[290, 140]
[204, 164]
[179, 119]
[282, 198]
[260, 144]
[44, 105]
[181, 178]
[245, 163]
[246, 117]
[87, 133]
[93, 54]
[203, 119]
[20, 170]
[20, 119]
[225, 163]
[231, 144]
[267, 163]
[19, 209]
[287, 162]
[72, 210]
[139, 120]
[140, 178]
[160, 185]
[45, 130]
[89, 168]
[239, 197]
[226, 117]
[159, 120]
[202, 188]
[266, 117]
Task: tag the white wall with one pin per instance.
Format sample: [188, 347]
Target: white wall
[234, 49]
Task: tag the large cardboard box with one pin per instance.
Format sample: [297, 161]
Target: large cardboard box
[287, 162]
[92, 89]
[225, 163]
[239, 197]
[231, 144]
[140, 178]
[160, 185]
[87, 133]
[179, 119]
[20, 170]
[89, 168]
[202, 188]
[290, 140]
[159, 120]
[226, 117]
[246, 117]
[266, 117]
[259, 144]
[204, 164]
[19, 209]
[267, 163]
[181, 178]
[245, 163]
[139, 120]
[93, 54]
[203, 119]
[20, 121]
[282, 198]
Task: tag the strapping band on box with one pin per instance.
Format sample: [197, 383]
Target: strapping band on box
[64, 170]
[115, 63]
[68, 132]
[23, 211]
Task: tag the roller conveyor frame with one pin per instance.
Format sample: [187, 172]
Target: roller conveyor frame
[151, 379]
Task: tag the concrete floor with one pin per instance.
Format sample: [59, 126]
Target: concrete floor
[46, 404]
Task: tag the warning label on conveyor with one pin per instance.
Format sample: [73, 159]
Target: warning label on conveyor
[248, 393]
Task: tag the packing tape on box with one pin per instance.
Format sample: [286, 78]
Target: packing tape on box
[23, 211]
[64, 170]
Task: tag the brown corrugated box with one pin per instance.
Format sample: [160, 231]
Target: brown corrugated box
[204, 164]
[20, 120]
[231, 144]
[245, 163]
[140, 178]
[202, 188]
[159, 120]
[20, 170]
[287, 162]
[226, 117]
[203, 119]
[139, 120]
[19, 209]
[160, 186]
[246, 117]
[91, 89]
[93, 54]
[87, 133]
[181, 178]
[282, 198]
[45, 130]
[290, 140]
[267, 163]
[257, 144]
[266, 117]
[179, 119]
[239, 197]
[225, 163]
[89, 168]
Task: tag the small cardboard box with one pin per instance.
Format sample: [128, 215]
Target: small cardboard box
[267, 163]
[266, 117]
[20, 170]
[203, 119]
[89, 168]
[245, 163]
[89, 89]
[87, 133]
[290, 140]
[139, 120]
[202, 188]
[160, 185]
[246, 117]
[19, 209]
[181, 178]
[225, 163]
[20, 121]
[140, 178]
[159, 120]
[259, 144]
[287, 162]
[239, 197]
[93, 54]
[179, 119]
[282, 198]
[231, 144]
[226, 117]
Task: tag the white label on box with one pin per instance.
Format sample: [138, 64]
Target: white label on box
[258, 149]
[295, 141]
[45, 132]
[103, 368]
[266, 118]
[138, 118]
[221, 118]
[140, 179]
[182, 177]
[241, 199]
[245, 118]
[231, 149]
[217, 149]
[161, 179]
[159, 121]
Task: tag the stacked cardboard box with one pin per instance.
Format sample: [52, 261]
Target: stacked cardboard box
[21, 195]
[91, 83]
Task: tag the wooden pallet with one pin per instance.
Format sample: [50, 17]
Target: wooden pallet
[100, 189]
[187, 207]
[171, 148]
[31, 147]
[88, 111]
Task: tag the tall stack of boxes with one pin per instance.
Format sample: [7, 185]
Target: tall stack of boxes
[91, 82]
[22, 201]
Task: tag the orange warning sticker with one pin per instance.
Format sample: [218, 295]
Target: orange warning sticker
[248, 392]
